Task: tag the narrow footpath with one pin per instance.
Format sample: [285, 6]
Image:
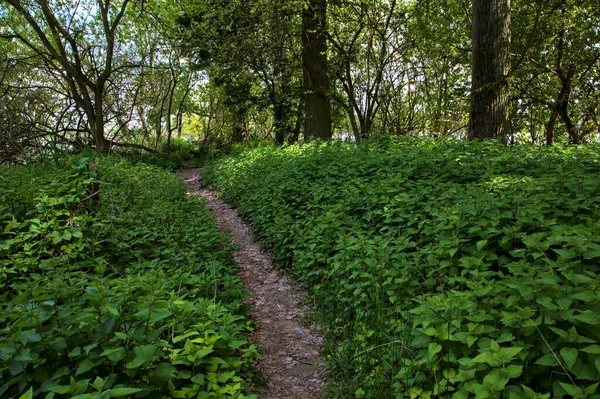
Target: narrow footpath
[289, 349]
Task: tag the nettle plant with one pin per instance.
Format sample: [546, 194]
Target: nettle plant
[131, 294]
[453, 269]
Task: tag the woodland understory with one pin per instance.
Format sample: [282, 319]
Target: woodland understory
[427, 170]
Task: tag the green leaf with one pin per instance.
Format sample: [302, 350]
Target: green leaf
[86, 365]
[75, 352]
[481, 244]
[56, 237]
[505, 355]
[433, 349]
[112, 309]
[494, 346]
[592, 252]
[481, 391]
[137, 362]
[572, 390]
[199, 354]
[88, 396]
[485, 357]
[591, 389]
[121, 392]
[198, 379]
[505, 337]
[145, 352]
[89, 347]
[28, 394]
[186, 335]
[561, 333]
[565, 253]
[577, 279]
[547, 360]
[494, 380]
[164, 371]
[512, 370]
[159, 315]
[594, 349]
[237, 343]
[531, 394]
[587, 316]
[114, 354]
[121, 336]
[61, 389]
[569, 355]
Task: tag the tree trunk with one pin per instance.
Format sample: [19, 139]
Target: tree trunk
[278, 115]
[98, 120]
[297, 125]
[239, 127]
[490, 67]
[561, 108]
[317, 122]
[356, 131]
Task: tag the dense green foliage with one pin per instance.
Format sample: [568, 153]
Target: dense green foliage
[222, 71]
[131, 292]
[443, 268]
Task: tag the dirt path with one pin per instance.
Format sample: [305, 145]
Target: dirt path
[290, 350]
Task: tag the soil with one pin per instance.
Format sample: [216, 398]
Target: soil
[289, 348]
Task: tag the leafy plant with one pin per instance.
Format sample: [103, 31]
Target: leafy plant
[128, 293]
[452, 269]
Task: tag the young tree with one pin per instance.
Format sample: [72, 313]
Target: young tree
[554, 76]
[79, 42]
[491, 37]
[365, 40]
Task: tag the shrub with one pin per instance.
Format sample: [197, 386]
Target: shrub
[451, 268]
[131, 292]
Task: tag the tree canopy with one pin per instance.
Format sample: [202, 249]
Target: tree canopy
[134, 73]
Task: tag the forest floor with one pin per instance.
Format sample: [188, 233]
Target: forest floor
[289, 348]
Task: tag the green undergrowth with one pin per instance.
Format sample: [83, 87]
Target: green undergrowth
[130, 292]
[442, 269]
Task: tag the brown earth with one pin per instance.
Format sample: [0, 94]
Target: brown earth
[290, 349]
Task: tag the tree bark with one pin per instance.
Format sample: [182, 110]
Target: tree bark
[317, 122]
[490, 67]
[278, 115]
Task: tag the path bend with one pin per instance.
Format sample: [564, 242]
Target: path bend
[290, 349]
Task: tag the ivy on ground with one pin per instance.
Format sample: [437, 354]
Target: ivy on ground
[444, 269]
[129, 292]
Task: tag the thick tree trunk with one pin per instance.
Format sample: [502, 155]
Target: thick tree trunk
[317, 122]
[490, 66]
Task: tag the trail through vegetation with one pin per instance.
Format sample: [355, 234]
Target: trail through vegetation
[441, 268]
[289, 349]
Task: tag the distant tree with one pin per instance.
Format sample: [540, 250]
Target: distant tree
[365, 41]
[78, 41]
[491, 37]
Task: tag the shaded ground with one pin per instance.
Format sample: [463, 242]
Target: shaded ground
[290, 350]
